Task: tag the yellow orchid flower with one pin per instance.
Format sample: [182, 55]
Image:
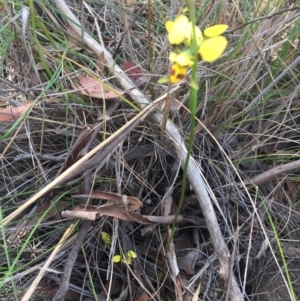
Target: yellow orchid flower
[184, 58]
[125, 259]
[106, 238]
[189, 35]
[177, 73]
[177, 29]
[213, 45]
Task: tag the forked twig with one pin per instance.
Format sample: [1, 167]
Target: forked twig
[194, 173]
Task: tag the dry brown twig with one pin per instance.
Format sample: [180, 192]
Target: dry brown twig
[194, 174]
[265, 17]
[272, 173]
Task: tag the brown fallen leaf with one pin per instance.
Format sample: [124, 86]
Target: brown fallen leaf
[80, 147]
[90, 86]
[95, 212]
[13, 113]
[133, 202]
[132, 70]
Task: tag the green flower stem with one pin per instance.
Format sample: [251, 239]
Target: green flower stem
[193, 108]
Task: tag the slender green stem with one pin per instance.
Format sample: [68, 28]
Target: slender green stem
[288, 277]
[193, 107]
[36, 41]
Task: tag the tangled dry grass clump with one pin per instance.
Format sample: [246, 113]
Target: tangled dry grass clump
[89, 171]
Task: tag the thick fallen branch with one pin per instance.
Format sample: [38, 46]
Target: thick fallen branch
[194, 174]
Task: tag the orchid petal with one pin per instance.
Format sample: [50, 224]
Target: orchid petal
[215, 30]
[177, 29]
[211, 49]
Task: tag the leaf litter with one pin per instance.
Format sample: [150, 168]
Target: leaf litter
[140, 167]
[92, 87]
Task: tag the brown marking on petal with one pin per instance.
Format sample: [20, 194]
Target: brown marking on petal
[172, 71]
[181, 76]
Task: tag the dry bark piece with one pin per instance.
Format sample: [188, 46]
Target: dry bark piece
[196, 295]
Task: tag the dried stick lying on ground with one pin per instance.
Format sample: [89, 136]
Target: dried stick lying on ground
[272, 173]
[194, 174]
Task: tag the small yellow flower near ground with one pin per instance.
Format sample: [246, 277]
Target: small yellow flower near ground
[177, 73]
[125, 259]
[130, 255]
[177, 29]
[184, 58]
[116, 258]
[211, 49]
[106, 238]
